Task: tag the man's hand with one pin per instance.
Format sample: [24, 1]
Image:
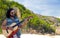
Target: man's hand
[10, 28]
[27, 19]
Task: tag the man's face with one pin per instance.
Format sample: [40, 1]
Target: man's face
[12, 13]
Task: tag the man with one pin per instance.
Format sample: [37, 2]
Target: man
[11, 17]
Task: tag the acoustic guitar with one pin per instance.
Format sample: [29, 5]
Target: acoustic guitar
[8, 33]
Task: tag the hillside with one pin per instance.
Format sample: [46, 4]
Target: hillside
[39, 23]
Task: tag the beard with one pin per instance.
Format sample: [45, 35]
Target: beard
[12, 15]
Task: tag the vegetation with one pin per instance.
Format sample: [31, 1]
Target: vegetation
[37, 23]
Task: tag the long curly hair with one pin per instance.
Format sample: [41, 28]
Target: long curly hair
[8, 12]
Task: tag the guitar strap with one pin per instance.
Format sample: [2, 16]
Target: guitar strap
[7, 29]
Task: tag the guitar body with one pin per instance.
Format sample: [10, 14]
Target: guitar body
[10, 32]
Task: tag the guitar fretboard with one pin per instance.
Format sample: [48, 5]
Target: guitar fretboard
[18, 24]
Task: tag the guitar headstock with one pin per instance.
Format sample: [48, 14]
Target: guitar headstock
[30, 17]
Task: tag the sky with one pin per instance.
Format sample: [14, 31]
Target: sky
[43, 7]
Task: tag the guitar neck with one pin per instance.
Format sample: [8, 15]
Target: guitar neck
[18, 24]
